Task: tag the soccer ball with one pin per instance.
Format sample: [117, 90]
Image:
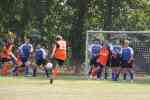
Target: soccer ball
[49, 65]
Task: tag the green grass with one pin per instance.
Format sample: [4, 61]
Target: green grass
[72, 88]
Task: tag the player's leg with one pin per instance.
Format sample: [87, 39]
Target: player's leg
[25, 65]
[53, 73]
[115, 69]
[114, 73]
[105, 71]
[15, 70]
[99, 71]
[34, 67]
[90, 69]
[93, 66]
[44, 62]
[131, 70]
[125, 73]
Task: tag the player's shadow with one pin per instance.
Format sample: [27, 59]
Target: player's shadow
[142, 80]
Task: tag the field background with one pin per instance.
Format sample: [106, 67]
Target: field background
[72, 88]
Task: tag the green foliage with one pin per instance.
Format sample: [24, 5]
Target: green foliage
[73, 17]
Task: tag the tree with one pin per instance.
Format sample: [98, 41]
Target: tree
[78, 31]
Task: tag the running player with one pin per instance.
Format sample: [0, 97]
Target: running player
[40, 59]
[6, 54]
[17, 63]
[25, 51]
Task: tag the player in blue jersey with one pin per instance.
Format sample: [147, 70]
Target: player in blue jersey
[115, 61]
[40, 59]
[94, 50]
[25, 51]
[127, 59]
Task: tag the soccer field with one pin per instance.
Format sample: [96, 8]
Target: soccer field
[72, 88]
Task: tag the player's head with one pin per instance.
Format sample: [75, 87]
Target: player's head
[126, 43]
[59, 37]
[38, 46]
[27, 39]
[96, 41]
[105, 43]
[7, 42]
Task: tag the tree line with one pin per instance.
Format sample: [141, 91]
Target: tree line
[72, 18]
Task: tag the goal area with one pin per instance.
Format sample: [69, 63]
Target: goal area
[139, 41]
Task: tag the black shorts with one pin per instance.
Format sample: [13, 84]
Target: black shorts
[101, 66]
[93, 61]
[58, 62]
[5, 60]
[125, 64]
[115, 62]
[41, 62]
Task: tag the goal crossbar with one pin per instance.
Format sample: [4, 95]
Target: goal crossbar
[119, 32]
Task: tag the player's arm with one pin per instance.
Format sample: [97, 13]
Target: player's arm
[31, 50]
[132, 55]
[20, 48]
[44, 53]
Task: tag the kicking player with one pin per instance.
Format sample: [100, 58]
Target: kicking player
[59, 53]
[94, 50]
[25, 51]
[40, 59]
[127, 58]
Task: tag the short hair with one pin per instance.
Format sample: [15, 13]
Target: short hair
[59, 37]
[126, 41]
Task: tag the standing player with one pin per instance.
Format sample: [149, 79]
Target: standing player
[25, 51]
[94, 50]
[115, 61]
[40, 59]
[127, 59]
[59, 53]
[102, 61]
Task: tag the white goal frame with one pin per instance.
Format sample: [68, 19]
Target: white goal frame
[112, 32]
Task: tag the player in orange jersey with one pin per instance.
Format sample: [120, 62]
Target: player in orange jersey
[59, 53]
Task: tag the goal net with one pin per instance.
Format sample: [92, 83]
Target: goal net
[139, 41]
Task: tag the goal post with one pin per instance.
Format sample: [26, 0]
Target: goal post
[139, 40]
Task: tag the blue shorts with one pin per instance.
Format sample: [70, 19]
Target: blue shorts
[24, 59]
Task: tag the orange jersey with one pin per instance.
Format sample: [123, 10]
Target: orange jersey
[6, 52]
[103, 56]
[60, 52]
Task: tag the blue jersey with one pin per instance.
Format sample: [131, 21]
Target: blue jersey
[95, 49]
[126, 53]
[40, 54]
[25, 49]
[115, 51]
